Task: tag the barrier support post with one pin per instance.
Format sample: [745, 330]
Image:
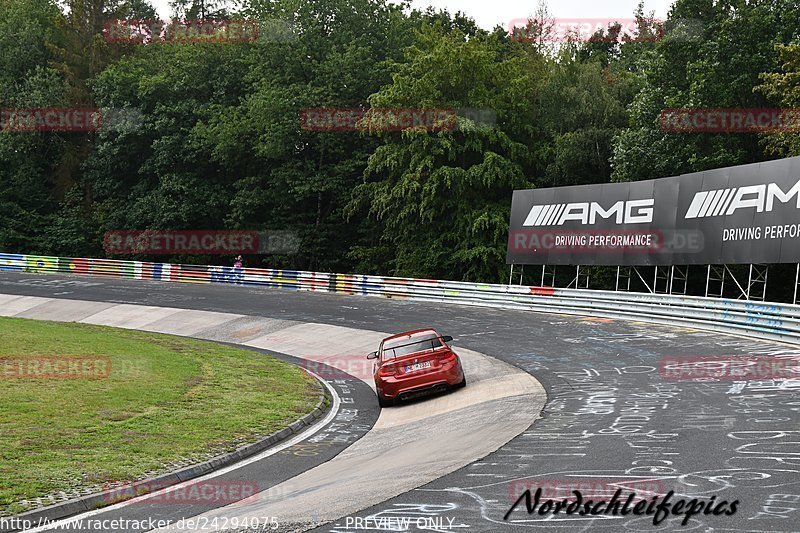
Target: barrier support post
[580, 278]
[662, 274]
[548, 271]
[679, 274]
[625, 275]
[757, 278]
[511, 275]
[716, 273]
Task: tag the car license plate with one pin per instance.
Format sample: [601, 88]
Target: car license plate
[418, 366]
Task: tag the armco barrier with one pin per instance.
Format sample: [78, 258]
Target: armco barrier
[772, 321]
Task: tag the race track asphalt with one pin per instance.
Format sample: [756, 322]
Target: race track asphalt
[612, 418]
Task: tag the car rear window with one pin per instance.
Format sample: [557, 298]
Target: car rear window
[405, 346]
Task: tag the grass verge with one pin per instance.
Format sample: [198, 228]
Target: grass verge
[165, 402]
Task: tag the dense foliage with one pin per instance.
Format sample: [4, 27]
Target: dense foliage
[218, 144]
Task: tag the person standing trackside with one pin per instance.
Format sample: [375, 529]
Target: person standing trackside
[237, 262]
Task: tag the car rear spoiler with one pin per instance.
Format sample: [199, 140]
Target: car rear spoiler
[438, 337]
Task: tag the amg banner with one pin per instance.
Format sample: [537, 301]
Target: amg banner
[743, 214]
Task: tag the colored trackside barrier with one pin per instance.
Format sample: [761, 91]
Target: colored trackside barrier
[771, 321]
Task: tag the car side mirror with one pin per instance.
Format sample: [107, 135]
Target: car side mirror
[372, 355]
[447, 338]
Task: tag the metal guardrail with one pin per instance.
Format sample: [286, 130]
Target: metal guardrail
[770, 321]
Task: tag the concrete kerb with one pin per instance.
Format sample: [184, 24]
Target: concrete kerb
[113, 496]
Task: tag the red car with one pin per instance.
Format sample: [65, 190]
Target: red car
[415, 363]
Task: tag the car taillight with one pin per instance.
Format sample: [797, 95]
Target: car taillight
[387, 370]
[447, 356]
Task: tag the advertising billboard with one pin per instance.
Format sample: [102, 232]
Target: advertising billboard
[743, 214]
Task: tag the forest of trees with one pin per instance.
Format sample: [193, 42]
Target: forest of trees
[218, 142]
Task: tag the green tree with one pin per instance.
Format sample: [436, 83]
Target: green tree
[783, 89]
[583, 107]
[711, 56]
[221, 145]
[443, 196]
[30, 162]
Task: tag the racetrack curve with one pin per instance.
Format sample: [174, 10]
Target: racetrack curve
[464, 426]
[610, 414]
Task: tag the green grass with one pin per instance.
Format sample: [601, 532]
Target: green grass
[167, 400]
